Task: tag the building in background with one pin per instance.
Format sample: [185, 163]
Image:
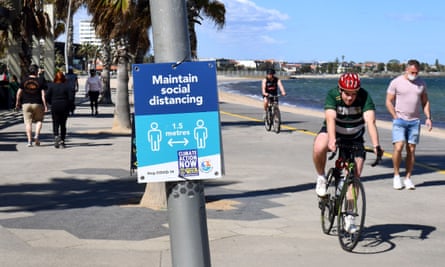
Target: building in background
[87, 33]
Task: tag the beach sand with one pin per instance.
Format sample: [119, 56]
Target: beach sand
[246, 100]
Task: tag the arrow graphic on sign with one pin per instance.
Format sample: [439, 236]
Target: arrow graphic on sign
[171, 142]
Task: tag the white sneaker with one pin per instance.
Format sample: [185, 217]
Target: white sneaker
[350, 226]
[409, 184]
[397, 182]
[320, 189]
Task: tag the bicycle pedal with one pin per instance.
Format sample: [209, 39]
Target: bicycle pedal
[322, 201]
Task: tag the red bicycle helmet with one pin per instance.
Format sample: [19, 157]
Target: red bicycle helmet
[349, 82]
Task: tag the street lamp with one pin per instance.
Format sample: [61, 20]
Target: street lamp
[42, 52]
[67, 24]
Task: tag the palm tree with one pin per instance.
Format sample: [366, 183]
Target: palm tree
[88, 51]
[29, 23]
[106, 63]
[64, 10]
[213, 10]
[126, 22]
[6, 9]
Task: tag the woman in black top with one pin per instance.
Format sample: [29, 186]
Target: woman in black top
[60, 96]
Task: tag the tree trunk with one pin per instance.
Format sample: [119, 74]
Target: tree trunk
[70, 38]
[106, 96]
[154, 196]
[122, 120]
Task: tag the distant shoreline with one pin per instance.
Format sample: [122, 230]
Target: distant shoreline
[235, 98]
[365, 75]
[240, 76]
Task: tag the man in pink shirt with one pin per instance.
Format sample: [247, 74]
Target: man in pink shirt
[406, 95]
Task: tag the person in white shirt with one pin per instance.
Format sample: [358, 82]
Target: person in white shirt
[93, 88]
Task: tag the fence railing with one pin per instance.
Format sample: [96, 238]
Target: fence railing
[250, 73]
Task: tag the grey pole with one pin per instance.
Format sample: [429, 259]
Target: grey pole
[185, 200]
[170, 32]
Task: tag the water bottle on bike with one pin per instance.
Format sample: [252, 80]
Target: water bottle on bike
[340, 184]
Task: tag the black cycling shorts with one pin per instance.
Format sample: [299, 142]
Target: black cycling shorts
[358, 153]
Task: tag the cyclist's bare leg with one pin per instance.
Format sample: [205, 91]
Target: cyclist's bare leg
[410, 159]
[28, 129]
[265, 101]
[319, 152]
[397, 157]
[359, 162]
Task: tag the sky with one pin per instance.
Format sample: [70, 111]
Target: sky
[324, 30]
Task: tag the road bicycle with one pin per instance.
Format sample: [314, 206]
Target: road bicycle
[345, 198]
[273, 115]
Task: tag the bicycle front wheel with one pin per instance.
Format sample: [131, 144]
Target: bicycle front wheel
[276, 120]
[351, 214]
[327, 204]
[268, 120]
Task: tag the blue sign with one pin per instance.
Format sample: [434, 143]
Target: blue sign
[178, 134]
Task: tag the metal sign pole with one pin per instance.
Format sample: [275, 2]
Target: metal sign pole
[185, 200]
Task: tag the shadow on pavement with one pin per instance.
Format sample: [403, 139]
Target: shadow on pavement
[241, 123]
[262, 193]
[13, 138]
[71, 193]
[381, 238]
[424, 165]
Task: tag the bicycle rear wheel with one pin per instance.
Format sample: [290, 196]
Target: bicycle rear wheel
[327, 204]
[268, 120]
[352, 205]
[276, 120]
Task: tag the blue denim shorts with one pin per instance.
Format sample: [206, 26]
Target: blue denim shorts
[405, 131]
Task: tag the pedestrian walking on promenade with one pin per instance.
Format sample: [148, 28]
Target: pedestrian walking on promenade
[406, 95]
[93, 88]
[13, 88]
[31, 99]
[5, 97]
[59, 96]
[72, 80]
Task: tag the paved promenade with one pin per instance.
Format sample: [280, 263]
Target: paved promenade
[79, 206]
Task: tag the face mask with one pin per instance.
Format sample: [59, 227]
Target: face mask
[412, 77]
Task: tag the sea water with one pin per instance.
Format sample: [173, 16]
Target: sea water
[311, 92]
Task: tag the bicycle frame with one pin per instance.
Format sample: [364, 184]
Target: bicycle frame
[346, 164]
[273, 116]
[351, 201]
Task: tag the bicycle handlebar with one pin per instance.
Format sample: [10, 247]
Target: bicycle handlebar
[272, 96]
[375, 163]
[333, 154]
